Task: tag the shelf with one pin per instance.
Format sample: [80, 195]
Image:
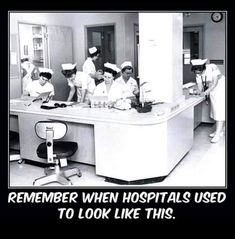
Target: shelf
[39, 61]
[37, 36]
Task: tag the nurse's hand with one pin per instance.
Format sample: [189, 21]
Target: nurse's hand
[202, 94]
[136, 91]
[110, 104]
[99, 75]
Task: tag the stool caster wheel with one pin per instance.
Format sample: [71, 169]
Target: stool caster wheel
[79, 174]
[20, 161]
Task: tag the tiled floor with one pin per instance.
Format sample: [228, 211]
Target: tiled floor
[203, 166]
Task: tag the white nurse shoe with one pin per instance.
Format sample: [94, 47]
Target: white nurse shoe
[213, 134]
[216, 138]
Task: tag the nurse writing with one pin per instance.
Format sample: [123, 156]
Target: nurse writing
[36, 87]
[89, 66]
[78, 81]
[129, 85]
[109, 87]
[211, 82]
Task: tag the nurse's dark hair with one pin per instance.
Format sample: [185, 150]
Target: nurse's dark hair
[198, 68]
[127, 68]
[95, 53]
[69, 73]
[109, 70]
[24, 59]
[46, 74]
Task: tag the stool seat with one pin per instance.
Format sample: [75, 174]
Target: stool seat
[55, 152]
[61, 149]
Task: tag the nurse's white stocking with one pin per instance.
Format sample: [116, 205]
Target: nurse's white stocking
[218, 131]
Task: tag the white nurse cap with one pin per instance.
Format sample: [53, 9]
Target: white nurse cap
[198, 62]
[111, 66]
[92, 50]
[125, 64]
[68, 66]
[45, 70]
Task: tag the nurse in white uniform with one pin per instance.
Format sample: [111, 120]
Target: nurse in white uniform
[109, 87]
[78, 81]
[129, 85]
[36, 87]
[211, 82]
[89, 66]
[29, 72]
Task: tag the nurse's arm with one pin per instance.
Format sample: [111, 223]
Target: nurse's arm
[83, 95]
[71, 93]
[92, 76]
[26, 93]
[97, 76]
[212, 86]
[136, 90]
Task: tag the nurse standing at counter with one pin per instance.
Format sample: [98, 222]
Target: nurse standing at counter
[89, 66]
[211, 82]
[78, 81]
[129, 84]
[109, 87]
[29, 72]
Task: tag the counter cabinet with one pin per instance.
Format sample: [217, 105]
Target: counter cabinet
[125, 146]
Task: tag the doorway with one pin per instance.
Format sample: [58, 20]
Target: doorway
[103, 38]
[192, 49]
[33, 47]
[136, 52]
[33, 43]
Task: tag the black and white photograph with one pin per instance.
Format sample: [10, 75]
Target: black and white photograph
[117, 99]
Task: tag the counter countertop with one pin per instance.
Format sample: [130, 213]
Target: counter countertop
[159, 114]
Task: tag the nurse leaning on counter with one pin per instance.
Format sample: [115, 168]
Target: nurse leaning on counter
[78, 81]
[211, 82]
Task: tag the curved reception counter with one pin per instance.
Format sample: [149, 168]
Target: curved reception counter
[126, 147]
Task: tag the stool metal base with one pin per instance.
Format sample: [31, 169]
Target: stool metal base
[57, 174]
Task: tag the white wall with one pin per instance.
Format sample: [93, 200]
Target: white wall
[161, 54]
[214, 35]
[130, 20]
[52, 18]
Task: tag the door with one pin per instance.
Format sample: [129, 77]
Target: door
[136, 52]
[60, 50]
[192, 49]
[103, 38]
[32, 45]
[15, 83]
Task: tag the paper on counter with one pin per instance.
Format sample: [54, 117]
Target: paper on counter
[188, 85]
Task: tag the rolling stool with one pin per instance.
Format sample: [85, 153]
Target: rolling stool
[55, 152]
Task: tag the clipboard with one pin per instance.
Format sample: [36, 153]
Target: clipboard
[43, 95]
